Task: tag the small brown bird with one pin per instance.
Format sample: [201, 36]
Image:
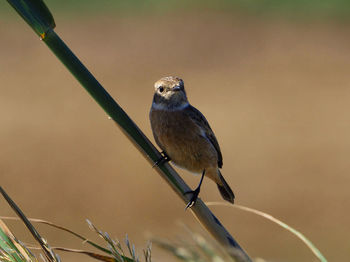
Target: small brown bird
[184, 135]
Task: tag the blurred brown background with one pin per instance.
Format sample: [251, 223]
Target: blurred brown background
[276, 91]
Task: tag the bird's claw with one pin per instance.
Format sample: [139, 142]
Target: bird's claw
[163, 159]
[194, 197]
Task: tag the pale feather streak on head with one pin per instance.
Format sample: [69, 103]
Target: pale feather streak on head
[170, 82]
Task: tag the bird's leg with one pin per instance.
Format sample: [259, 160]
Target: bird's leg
[194, 193]
[163, 159]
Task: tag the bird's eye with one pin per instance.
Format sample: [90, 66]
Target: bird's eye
[161, 89]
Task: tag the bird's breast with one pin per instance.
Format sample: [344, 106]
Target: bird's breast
[182, 139]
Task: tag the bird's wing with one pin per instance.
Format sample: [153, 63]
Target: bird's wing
[200, 120]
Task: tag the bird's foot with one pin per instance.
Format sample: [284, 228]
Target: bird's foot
[194, 197]
[163, 159]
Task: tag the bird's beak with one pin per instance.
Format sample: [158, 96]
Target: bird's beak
[176, 88]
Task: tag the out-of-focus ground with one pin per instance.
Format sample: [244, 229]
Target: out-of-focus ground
[276, 93]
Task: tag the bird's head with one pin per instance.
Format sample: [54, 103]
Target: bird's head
[170, 94]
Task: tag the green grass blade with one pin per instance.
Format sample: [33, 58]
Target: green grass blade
[8, 250]
[35, 13]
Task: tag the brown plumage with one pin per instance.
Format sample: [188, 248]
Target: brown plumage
[184, 134]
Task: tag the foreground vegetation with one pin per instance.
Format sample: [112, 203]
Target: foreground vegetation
[200, 249]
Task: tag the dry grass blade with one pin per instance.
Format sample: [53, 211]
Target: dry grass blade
[90, 254]
[41, 221]
[147, 252]
[79, 251]
[307, 242]
[49, 254]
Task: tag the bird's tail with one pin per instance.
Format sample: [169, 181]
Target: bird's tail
[225, 190]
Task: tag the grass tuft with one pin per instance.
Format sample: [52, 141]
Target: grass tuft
[11, 249]
[117, 250]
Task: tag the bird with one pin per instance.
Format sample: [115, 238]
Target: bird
[185, 136]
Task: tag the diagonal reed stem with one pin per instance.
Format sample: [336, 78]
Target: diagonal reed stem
[36, 14]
